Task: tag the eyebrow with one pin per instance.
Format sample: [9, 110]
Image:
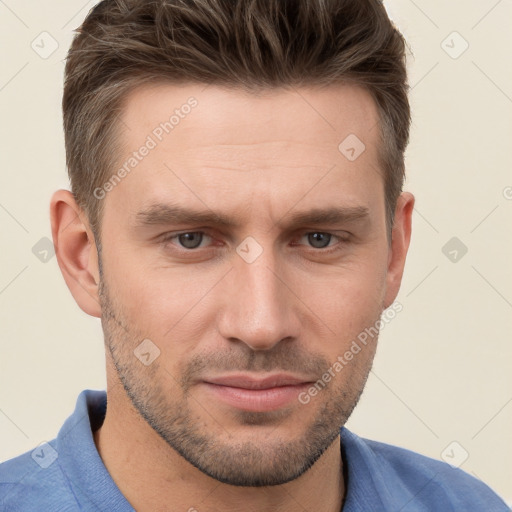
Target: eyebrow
[329, 216]
[160, 214]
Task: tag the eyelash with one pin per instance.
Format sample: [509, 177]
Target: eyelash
[323, 250]
[170, 236]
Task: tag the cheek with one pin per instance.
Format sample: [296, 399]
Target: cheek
[347, 300]
[166, 305]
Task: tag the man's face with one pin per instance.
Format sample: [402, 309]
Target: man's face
[287, 269]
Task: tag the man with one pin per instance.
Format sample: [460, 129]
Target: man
[237, 221]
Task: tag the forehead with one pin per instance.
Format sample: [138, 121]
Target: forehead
[334, 110]
[224, 146]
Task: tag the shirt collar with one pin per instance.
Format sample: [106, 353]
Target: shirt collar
[88, 478]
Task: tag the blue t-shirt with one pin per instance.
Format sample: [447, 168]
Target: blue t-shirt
[67, 475]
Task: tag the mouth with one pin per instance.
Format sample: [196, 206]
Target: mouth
[258, 394]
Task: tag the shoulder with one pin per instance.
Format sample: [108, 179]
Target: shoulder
[418, 482]
[35, 480]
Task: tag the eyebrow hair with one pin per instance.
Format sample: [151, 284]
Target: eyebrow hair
[329, 215]
[159, 214]
[168, 214]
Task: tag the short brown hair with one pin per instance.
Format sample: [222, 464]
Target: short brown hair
[249, 44]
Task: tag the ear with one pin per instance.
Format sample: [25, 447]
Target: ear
[400, 238]
[76, 251]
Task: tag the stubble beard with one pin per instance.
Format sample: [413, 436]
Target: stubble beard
[215, 450]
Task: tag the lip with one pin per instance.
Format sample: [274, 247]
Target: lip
[249, 382]
[256, 394]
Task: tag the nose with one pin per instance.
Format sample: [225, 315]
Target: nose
[258, 306]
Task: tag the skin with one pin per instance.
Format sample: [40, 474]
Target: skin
[257, 160]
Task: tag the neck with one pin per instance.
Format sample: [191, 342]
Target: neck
[153, 476]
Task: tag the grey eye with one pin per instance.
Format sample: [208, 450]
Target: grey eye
[319, 240]
[191, 240]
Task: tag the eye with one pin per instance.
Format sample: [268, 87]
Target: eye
[188, 240]
[319, 240]
[191, 240]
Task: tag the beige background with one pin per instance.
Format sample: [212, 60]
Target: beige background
[442, 372]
